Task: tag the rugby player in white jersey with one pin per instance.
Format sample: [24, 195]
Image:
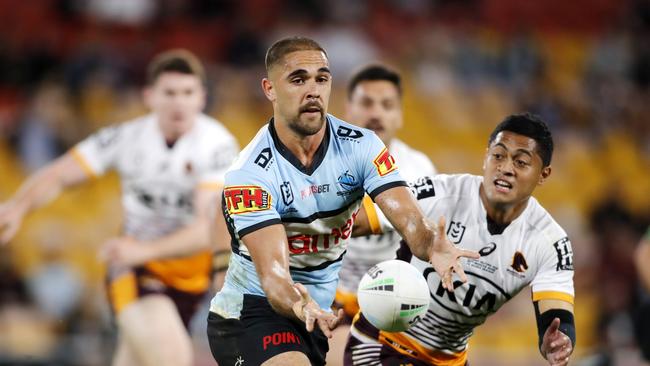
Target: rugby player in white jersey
[520, 245]
[171, 164]
[374, 102]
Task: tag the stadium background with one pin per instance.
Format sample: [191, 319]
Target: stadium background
[68, 67]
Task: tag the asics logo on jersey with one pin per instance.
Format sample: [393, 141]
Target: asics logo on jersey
[564, 255]
[456, 231]
[488, 249]
[384, 162]
[264, 158]
[243, 199]
[348, 133]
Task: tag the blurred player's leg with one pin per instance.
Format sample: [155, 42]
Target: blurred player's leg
[124, 356]
[337, 345]
[155, 332]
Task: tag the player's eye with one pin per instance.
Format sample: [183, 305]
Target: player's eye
[322, 79]
[497, 156]
[297, 81]
[521, 163]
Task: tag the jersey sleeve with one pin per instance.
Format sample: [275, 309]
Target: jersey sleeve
[250, 202]
[99, 152]
[554, 278]
[378, 167]
[221, 158]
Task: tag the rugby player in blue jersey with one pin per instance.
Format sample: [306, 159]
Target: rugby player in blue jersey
[290, 202]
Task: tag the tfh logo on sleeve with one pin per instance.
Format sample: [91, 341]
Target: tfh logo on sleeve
[384, 162]
[243, 199]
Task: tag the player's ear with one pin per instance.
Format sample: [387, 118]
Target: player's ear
[546, 172]
[268, 89]
[147, 95]
[485, 158]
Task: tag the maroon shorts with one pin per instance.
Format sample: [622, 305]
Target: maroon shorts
[128, 286]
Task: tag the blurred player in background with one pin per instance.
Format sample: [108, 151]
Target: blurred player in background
[374, 102]
[642, 312]
[290, 202]
[171, 164]
[519, 242]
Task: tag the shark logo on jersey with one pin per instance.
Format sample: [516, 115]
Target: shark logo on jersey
[348, 184]
[456, 231]
[564, 254]
[384, 162]
[287, 193]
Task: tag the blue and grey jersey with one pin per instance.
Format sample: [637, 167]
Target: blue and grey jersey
[317, 206]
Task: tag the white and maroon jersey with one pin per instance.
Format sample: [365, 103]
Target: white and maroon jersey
[158, 181]
[533, 250]
[366, 251]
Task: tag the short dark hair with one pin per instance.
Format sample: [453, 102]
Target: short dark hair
[375, 73]
[176, 60]
[281, 48]
[530, 125]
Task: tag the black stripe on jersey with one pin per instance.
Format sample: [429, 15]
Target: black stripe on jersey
[320, 214]
[447, 342]
[455, 324]
[319, 156]
[320, 266]
[387, 186]
[503, 292]
[443, 331]
[310, 269]
[259, 225]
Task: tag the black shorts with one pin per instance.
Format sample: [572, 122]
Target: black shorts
[259, 334]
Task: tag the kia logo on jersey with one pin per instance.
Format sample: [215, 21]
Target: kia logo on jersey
[456, 231]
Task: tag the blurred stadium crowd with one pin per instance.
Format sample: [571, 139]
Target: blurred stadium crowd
[72, 66]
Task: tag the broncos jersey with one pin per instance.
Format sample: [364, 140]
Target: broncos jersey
[533, 250]
[158, 182]
[366, 251]
[316, 205]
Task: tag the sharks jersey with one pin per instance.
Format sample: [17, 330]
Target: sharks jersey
[316, 205]
[533, 250]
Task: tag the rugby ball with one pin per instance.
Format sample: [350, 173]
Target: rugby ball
[393, 295]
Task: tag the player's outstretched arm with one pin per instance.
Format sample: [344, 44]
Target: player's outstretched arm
[39, 189]
[190, 239]
[556, 329]
[269, 250]
[427, 242]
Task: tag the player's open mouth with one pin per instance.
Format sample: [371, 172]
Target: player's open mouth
[502, 186]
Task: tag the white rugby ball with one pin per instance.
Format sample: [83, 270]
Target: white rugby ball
[393, 295]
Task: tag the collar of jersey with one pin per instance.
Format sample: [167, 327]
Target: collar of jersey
[319, 156]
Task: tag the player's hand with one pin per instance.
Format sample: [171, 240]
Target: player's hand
[556, 346]
[125, 252]
[307, 310]
[10, 219]
[445, 257]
